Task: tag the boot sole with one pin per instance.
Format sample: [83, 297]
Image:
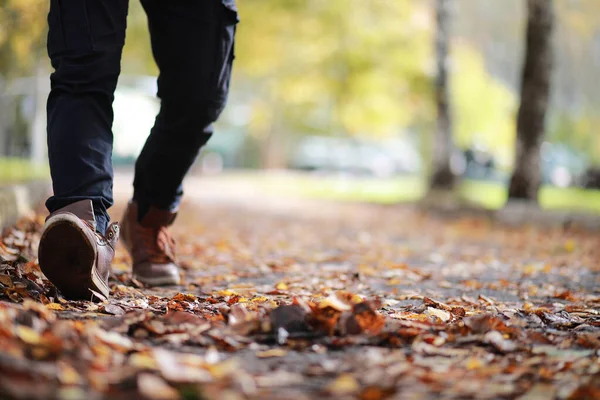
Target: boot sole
[67, 256]
[161, 281]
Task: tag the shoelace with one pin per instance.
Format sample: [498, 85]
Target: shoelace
[159, 243]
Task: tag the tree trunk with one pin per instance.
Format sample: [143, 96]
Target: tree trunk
[535, 89]
[442, 177]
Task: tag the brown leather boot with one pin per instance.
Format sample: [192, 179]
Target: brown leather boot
[151, 246]
[73, 256]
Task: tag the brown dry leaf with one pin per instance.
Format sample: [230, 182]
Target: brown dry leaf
[486, 322]
[368, 319]
[442, 315]
[374, 393]
[496, 339]
[436, 304]
[486, 299]
[113, 309]
[185, 297]
[324, 319]
[458, 311]
[182, 317]
[6, 280]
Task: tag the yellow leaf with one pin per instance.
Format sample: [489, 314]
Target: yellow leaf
[55, 307]
[281, 286]
[68, 376]
[343, 385]
[474, 363]
[143, 361]
[227, 292]
[570, 246]
[28, 335]
[530, 269]
[334, 302]
[271, 353]
[223, 369]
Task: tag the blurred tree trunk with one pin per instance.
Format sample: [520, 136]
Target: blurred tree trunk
[442, 176]
[535, 89]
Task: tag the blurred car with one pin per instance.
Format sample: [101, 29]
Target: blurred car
[344, 155]
[562, 166]
[591, 178]
[480, 164]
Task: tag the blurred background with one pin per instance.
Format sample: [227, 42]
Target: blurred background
[337, 98]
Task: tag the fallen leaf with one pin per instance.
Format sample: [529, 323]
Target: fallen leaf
[344, 384]
[277, 352]
[155, 388]
[6, 280]
[368, 319]
[442, 315]
[113, 309]
[496, 339]
[67, 375]
[55, 307]
[143, 361]
[334, 302]
[174, 371]
[28, 335]
[436, 304]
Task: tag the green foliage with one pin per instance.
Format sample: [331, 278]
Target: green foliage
[484, 108]
[137, 53]
[14, 169]
[579, 131]
[22, 36]
[365, 68]
[349, 66]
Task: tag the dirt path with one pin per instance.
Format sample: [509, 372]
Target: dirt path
[285, 298]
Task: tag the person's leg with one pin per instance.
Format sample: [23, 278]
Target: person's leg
[192, 42]
[85, 42]
[76, 248]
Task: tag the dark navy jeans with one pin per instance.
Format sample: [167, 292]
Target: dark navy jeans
[192, 42]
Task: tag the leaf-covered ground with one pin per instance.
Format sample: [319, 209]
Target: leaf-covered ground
[297, 299]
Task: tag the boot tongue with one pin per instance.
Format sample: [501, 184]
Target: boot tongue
[156, 218]
[83, 209]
